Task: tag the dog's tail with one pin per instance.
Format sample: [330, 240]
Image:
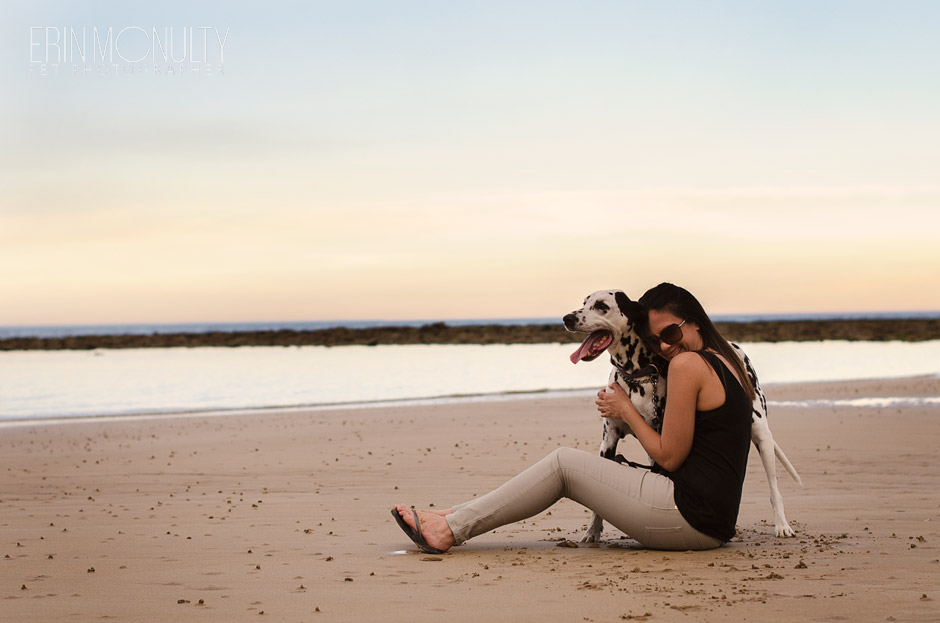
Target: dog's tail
[778, 452]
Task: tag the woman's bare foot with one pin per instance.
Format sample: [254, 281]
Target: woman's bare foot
[434, 527]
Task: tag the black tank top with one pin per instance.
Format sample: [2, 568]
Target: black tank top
[708, 484]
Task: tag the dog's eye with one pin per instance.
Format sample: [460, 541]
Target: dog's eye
[601, 306]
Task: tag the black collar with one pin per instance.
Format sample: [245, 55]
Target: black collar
[649, 370]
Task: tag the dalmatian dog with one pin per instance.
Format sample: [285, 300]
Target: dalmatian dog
[615, 323]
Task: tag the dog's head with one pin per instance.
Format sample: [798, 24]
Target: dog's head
[613, 322]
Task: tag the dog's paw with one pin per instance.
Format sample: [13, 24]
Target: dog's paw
[594, 530]
[784, 530]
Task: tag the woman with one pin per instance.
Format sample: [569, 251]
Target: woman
[689, 500]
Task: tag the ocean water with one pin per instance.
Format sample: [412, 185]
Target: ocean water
[67, 384]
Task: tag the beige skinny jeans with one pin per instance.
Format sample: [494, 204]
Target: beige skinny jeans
[636, 501]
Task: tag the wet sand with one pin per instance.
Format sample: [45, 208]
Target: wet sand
[285, 517]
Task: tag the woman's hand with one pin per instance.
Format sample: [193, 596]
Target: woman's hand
[614, 404]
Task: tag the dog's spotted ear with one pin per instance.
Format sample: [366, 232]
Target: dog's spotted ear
[631, 309]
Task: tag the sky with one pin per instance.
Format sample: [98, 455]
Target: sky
[488, 159]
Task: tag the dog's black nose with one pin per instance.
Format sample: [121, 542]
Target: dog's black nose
[569, 320]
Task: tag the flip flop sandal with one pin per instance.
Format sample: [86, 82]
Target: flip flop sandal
[415, 533]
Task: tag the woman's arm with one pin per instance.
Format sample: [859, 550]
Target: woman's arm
[669, 449]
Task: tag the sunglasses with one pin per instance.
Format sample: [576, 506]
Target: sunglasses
[671, 335]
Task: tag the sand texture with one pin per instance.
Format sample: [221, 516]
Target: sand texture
[285, 517]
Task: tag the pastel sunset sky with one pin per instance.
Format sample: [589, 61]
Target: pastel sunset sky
[435, 160]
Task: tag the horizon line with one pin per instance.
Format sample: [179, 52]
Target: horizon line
[720, 317]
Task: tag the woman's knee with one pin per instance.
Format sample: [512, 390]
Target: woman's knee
[565, 457]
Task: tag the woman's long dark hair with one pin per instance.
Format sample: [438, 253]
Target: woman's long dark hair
[680, 302]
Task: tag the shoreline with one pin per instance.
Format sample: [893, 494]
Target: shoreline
[808, 391]
[213, 519]
[902, 329]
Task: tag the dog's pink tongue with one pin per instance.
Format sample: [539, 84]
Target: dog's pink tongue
[584, 350]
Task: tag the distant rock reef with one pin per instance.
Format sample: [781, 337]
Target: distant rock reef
[909, 330]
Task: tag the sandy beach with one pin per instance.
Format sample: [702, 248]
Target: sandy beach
[285, 517]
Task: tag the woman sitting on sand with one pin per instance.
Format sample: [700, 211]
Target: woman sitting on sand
[689, 500]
